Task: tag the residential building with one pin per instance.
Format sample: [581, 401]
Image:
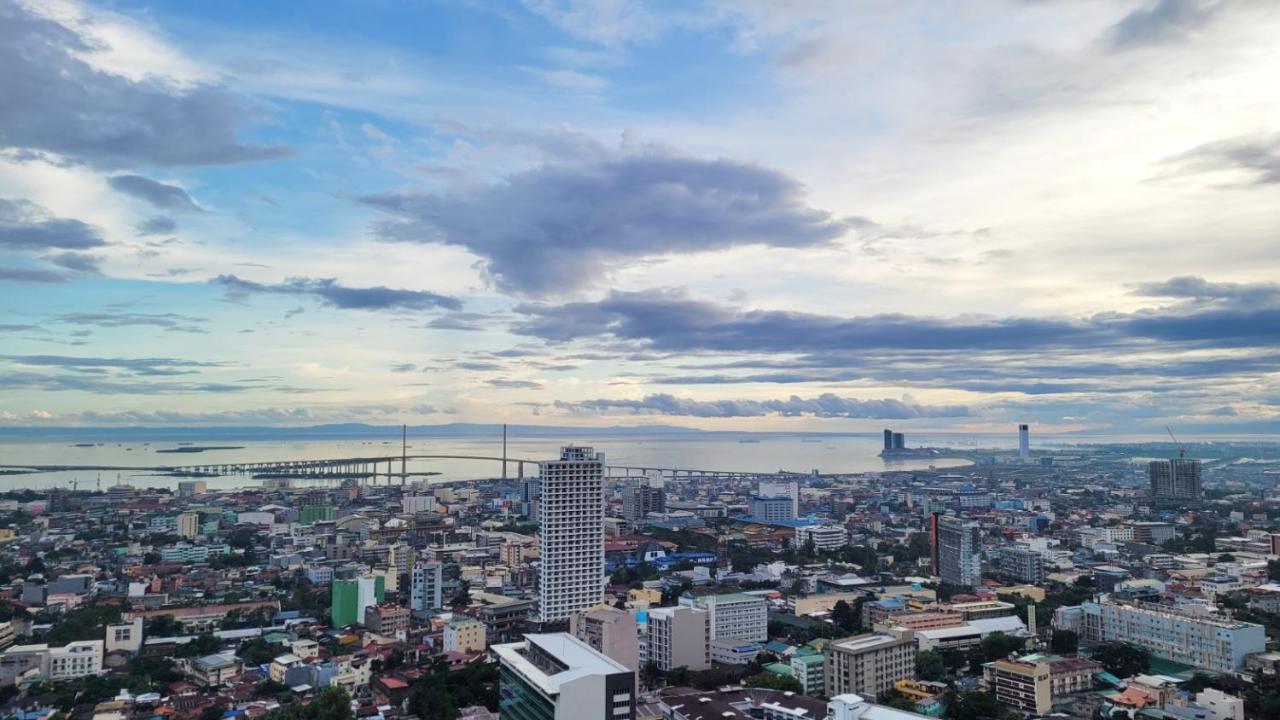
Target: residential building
[679, 637]
[771, 509]
[1021, 685]
[350, 598]
[213, 670]
[639, 499]
[824, 537]
[734, 615]
[426, 587]
[571, 533]
[810, 670]
[192, 488]
[319, 575]
[1183, 636]
[1021, 563]
[1221, 706]
[610, 631]
[782, 488]
[126, 637]
[464, 635]
[959, 544]
[188, 525]
[1174, 481]
[868, 665]
[556, 676]
[387, 619]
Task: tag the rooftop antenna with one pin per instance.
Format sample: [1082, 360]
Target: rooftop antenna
[1182, 450]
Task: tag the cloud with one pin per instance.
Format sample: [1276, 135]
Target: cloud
[56, 101]
[1160, 21]
[826, 405]
[113, 385]
[76, 262]
[137, 366]
[1197, 288]
[169, 321]
[403, 368]
[515, 384]
[164, 197]
[1255, 156]
[27, 226]
[465, 321]
[30, 275]
[328, 291]
[560, 228]
[158, 225]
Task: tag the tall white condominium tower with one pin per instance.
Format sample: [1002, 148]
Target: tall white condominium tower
[959, 548]
[571, 533]
[1024, 442]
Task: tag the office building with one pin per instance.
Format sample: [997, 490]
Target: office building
[1024, 442]
[734, 615]
[192, 488]
[465, 636]
[530, 489]
[77, 659]
[958, 548]
[868, 665]
[782, 488]
[824, 537]
[556, 676]
[188, 525]
[899, 441]
[1183, 636]
[639, 499]
[571, 533]
[1174, 481]
[1022, 564]
[679, 637]
[350, 598]
[888, 439]
[771, 509]
[1020, 685]
[426, 586]
[610, 631]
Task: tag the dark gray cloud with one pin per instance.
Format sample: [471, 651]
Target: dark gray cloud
[158, 225]
[826, 405]
[113, 385]
[465, 321]
[478, 365]
[30, 275]
[403, 368]
[1258, 156]
[172, 322]
[165, 197]
[559, 228]
[1200, 289]
[515, 384]
[76, 262]
[29, 227]
[1159, 21]
[328, 291]
[56, 102]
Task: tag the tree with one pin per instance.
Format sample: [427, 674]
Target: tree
[930, 665]
[895, 699]
[970, 706]
[998, 645]
[650, 674]
[844, 616]
[256, 651]
[678, 676]
[1122, 659]
[213, 712]
[1064, 642]
[199, 647]
[774, 681]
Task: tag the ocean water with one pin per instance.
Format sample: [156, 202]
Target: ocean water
[740, 453]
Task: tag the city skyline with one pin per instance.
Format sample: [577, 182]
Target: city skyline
[720, 215]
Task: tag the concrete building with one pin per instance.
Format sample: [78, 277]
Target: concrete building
[959, 545]
[426, 587]
[610, 631]
[464, 635]
[824, 537]
[679, 637]
[810, 670]
[350, 598]
[771, 509]
[1021, 685]
[126, 637]
[571, 533]
[734, 615]
[213, 671]
[1182, 636]
[868, 665]
[192, 488]
[1021, 563]
[188, 525]
[78, 659]
[1220, 705]
[387, 619]
[782, 488]
[1024, 442]
[556, 676]
[639, 499]
[1174, 481]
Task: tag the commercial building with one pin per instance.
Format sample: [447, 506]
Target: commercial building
[1021, 563]
[868, 665]
[610, 631]
[124, 637]
[1019, 684]
[782, 488]
[771, 509]
[734, 615]
[192, 488]
[556, 676]
[77, 659]
[350, 598]
[639, 499]
[464, 635]
[824, 537]
[958, 546]
[1024, 442]
[188, 525]
[426, 587]
[679, 637]
[1174, 481]
[571, 533]
[1182, 636]
[387, 619]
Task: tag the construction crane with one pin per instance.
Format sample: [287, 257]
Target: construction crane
[1182, 450]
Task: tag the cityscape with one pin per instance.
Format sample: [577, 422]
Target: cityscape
[640, 360]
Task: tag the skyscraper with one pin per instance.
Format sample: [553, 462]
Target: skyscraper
[1175, 480]
[888, 439]
[1024, 442]
[959, 542]
[571, 533]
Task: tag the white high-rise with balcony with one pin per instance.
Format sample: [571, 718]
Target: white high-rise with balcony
[571, 533]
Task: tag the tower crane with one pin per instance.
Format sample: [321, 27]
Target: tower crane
[1182, 450]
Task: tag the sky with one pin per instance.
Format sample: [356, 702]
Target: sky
[729, 215]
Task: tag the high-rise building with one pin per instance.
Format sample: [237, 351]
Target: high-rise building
[426, 585]
[639, 499]
[350, 598]
[782, 488]
[1024, 442]
[556, 676]
[530, 489]
[570, 533]
[899, 441]
[868, 665]
[734, 615]
[1175, 480]
[679, 637]
[959, 542]
[610, 631]
[888, 439]
[1021, 563]
[188, 525]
